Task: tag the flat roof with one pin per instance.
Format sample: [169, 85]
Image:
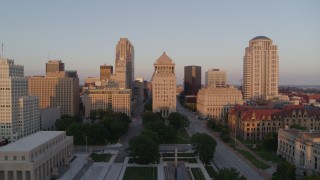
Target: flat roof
[31, 142]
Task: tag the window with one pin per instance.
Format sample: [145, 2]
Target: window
[14, 158]
[6, 158]
[23, 158]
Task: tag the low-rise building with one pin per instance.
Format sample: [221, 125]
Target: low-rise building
[253, 123]
[215, 102]
[301, 148]
[36, 157]
[117, 100]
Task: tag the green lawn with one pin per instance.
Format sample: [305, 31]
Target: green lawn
[197, 174]
[100, 157]
[141, 173]
[210, 171]
[261, 151]
[253, 160]
[182, 137]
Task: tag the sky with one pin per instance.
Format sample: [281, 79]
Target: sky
[211, 34]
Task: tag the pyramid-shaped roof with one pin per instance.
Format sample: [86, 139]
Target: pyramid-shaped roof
[164, 59]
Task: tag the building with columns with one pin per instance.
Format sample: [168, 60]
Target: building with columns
[164, 86]
[301, 148]
[36, 157]
[260, 69]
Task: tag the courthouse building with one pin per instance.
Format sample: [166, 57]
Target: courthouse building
[36, 157]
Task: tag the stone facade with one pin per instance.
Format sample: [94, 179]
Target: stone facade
[117, 100]
[254, 123]
[164, 86]
[214, 102]
[301, 148]
[36, 157]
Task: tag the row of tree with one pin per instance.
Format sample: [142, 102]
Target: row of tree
[108, 126]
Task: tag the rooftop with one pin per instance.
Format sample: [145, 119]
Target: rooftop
[31, 142]
[260, 37]
[164, 59]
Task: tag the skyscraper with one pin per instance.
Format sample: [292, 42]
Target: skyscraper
[124, 65]
[105, 72]
[215, 77]
[164, 86]
[57, 89]
[20, 113]
[260, 69]
[192, 80]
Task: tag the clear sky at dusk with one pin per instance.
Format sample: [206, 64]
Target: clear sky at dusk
[210, 34]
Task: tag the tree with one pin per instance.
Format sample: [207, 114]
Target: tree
[143, 149]
[271, 141]
[228, 173]
[150, 116]
[285, 171]
[77, 131]
[166, 134]
[204, 146]
[211, 124]
[153, 135]
[297, 126]
[62, 123]
[178, 120]
[313, 177]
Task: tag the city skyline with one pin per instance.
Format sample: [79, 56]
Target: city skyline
[209, 34]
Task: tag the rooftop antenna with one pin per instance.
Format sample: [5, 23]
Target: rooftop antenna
[1, 50]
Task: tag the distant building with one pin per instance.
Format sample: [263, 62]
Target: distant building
[57, 89]
[216, 77]
[53, 66]
[20, 113]
[253, 123]
[192, 80]
[124, 65]
[37, 156]
[214, 102]
[105, 72]
[164, 86]
[301, 148]
[48, 117]
[260, 69]
[138, 91]
[117, 100]
[90, 81]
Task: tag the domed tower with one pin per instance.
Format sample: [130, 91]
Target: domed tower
[164, 86]
[260, 69]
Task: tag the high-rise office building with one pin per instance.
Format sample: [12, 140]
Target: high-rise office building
[20, 113]
[260, 69]
[105, 72]
[54, 66]
[164, 86]
[124, 65]
[215, 77]
[59, 89]
[192, 80]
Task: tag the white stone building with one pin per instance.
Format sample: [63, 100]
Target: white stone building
[164, 86]
[20, 113]
[214, 102]
[301, 148]
[36, 157]
[216, 77]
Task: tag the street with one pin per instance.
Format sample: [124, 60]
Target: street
[224, 157]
